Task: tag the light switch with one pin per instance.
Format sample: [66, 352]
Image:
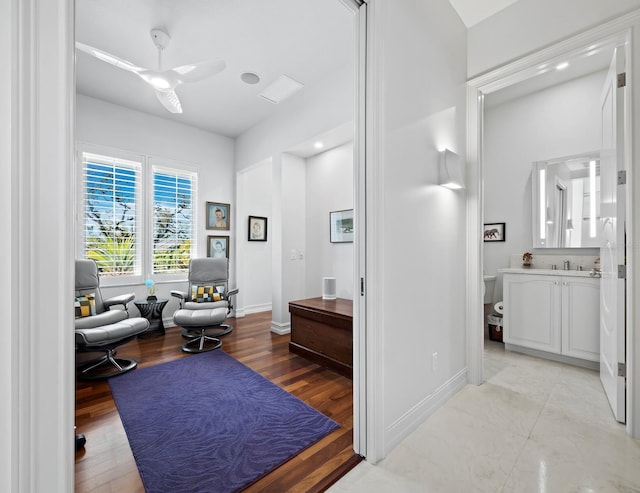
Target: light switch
[294, 255]
[301, 255]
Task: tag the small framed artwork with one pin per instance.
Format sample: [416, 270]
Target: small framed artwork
[341, 226]
[493, 232]
[257, 228]
[218, 215]
[218, 246]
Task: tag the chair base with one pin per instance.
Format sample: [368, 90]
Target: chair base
[81, 440]
[201, 343]
[194, 333]
[107, 367]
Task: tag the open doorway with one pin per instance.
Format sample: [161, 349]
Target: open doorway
[208, 153]
[489, 98]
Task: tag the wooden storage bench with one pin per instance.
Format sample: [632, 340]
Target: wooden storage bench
[322, 331]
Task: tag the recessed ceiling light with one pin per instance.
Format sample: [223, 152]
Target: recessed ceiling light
[250, 78]
[318, 145]
[562, 66]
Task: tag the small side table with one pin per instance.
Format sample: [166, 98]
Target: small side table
[152, 311]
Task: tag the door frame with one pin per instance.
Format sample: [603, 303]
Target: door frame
[38, 128]
[618, 31]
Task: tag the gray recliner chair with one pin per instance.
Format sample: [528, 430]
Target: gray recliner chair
[206, 305]
[98, 328]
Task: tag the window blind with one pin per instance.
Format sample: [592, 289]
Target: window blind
[174, 194]
[111, 195]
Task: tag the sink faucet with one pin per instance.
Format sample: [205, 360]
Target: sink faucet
[566, 265]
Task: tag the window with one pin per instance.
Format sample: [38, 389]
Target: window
[172, 220]
[111, 205]
[137, 217]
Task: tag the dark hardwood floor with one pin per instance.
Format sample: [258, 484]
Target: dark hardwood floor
[107, 465]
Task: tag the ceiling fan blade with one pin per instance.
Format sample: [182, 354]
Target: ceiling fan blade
[198, 71]
[169, 100]
[109, 58]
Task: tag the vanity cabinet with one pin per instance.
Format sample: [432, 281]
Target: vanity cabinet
[554, 313]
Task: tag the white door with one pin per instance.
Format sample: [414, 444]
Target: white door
[612, 289]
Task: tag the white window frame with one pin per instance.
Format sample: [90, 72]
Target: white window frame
[144, 213]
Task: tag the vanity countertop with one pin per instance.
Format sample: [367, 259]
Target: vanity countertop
[546, 272]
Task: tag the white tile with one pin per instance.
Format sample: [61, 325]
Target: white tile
[566, 453]
[533, 426]
[501, 407]
[454, 451]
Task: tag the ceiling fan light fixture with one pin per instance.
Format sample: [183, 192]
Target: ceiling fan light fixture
[160, 83]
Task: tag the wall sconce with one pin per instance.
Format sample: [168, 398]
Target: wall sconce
[450, 170]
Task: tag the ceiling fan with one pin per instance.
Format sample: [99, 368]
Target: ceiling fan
[163, 81]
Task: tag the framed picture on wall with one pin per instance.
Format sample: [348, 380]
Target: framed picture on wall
[218, 246]
[257, 228]
[493, 232]
[341, 226]
[218, 215]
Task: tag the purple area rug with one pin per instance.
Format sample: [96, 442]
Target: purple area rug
[207, 423]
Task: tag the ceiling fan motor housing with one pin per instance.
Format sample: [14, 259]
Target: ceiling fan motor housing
[160, 38]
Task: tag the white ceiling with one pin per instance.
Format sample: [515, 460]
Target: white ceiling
[303, 39]
[473, 11]
[582, 62]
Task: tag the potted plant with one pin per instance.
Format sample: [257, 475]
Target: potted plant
[527, 257]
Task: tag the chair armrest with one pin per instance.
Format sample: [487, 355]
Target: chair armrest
[122, 299]
[180, 294]
[228, 296]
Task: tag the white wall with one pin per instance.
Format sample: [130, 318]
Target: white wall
[529, 25]
[114, 126]
[416, 267]
[293, 234]
[255, 198]
[561, 121]
[320, 184]
[329, 185]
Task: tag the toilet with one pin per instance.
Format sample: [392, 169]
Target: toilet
[489, 285]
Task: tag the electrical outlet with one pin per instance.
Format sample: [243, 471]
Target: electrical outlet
[434, 361]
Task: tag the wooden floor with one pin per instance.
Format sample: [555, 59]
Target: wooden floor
[107, 465]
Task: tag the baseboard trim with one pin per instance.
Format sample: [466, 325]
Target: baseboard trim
[413, 418]
[570, 360]
[280, 329]
[264, 307]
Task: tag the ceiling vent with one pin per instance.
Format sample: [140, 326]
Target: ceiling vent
[280, 89]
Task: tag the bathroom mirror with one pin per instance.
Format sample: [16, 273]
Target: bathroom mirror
[566, 202]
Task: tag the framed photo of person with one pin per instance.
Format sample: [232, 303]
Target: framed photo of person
[218, 215]
[257, 228]
[218, 246]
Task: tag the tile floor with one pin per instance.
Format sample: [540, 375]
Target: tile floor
[533, 426]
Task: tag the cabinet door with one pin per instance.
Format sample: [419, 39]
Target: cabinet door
[581, 317]
[532, 314]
